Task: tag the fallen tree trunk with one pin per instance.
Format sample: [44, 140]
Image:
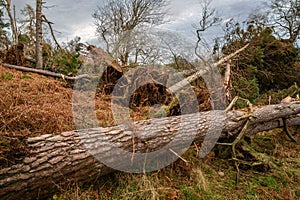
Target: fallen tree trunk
[45, 73]
[58, 159]
[201, 72]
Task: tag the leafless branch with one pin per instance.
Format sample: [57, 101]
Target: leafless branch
[208, 19]
[51, 30]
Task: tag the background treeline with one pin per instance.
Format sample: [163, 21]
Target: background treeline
[128, 32]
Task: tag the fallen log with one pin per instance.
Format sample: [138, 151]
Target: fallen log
[201, 72]
[60, 159]
[45, 73]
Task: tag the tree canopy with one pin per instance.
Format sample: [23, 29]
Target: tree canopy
[121, 25]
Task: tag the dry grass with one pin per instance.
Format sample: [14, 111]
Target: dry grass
[32, 105]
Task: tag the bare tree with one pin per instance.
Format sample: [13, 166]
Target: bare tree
[144, 47]
[4, 41]
[285, 15]
[27, 29]
[39, 35]
[175, 49]
[28, 24]
[12, 20]
[118, 24]
[208, 19]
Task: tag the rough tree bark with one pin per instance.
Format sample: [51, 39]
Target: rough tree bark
[58, 159]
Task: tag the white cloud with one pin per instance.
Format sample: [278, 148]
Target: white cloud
[84, 31]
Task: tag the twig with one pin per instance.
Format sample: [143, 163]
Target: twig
[226, 58]
[287, 131]
[240, 135]
[232, 104]
[176, 154]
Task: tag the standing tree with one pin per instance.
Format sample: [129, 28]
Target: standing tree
[27, 31]
[119, 24]
[285, 15]
[175, 50]
[28, 28]
[28, 24]
[3, 25]
[39, 35]
[7, 5]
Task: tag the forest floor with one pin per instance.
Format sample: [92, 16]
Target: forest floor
[32, 105]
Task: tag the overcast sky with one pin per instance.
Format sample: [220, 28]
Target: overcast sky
[73, 17]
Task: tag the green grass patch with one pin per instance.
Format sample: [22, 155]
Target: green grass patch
[7, 76]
